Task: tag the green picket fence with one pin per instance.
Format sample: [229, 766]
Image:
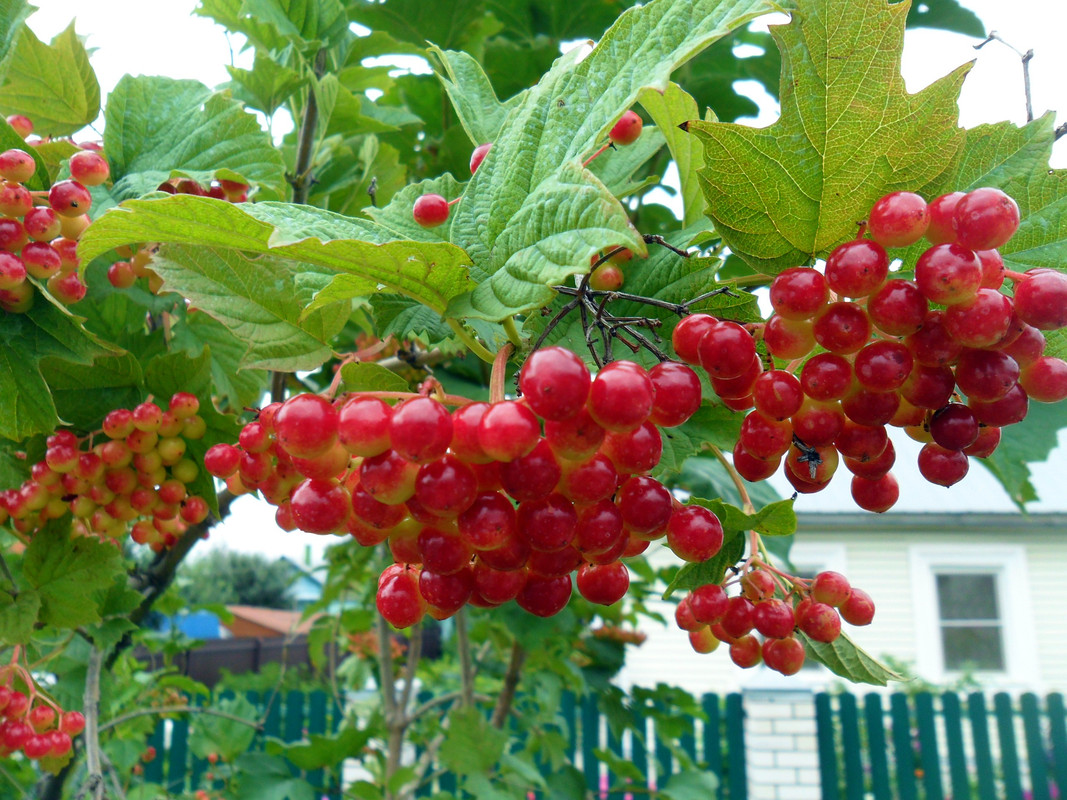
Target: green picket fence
[289, 716]
[717, 743]
[941, 747]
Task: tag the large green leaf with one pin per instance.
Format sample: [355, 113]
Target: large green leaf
[1029, 442]
[26, 340]
[18, 616]
[13, 14]
[256, 268]
[533, 215]
[236, 387]
[480, 112]
[947, 15]
[52, 84]
[471, 745]
[455, 24]
[849, 133]
[302, 21]
[68, 573]
[156, 126]
[267, 85]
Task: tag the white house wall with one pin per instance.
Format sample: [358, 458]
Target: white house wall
[878, 555]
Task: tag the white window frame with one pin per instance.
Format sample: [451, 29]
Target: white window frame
[1008, 563]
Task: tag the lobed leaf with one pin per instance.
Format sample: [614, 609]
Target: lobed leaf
[669, 109]
[848, 134]
[27, 340]
[158, 126]
[533, 215]
[52, 84]
[67, 573]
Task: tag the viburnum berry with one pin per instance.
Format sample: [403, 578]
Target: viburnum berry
[479, 154]
[430, 210]
[69, 198]
[985, 219]
[898, 219]
[627, 129]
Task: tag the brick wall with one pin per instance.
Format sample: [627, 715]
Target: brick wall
[781, 752]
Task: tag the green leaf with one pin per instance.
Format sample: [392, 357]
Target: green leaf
[266, 777]
[156, 126]
[18, 616]
[453, 24]
[690, 576]
[84, 393]
[471, 745]
[533, 215]
[1029, 442]
[848, 134]
[26, 340]
[1017, 160]
[227, 737]
[302, 21]
[843, 657]
[370, 377]
[480, 112]
[406, 319]
[621, 767]
[616, 168]
[54, 85]
[13, 14]
[669, 109]
[267, 85]
[50, 157]
[711, 424]
[234, 386]
[947, 15]
[690, 784]
[68, 572]
[255, 268]
[774, 519]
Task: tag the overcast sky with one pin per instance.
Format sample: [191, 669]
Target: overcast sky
[165, 38]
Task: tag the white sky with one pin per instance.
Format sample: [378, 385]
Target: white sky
[165, 38]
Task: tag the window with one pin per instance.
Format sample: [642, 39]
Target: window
[972, 613]
[971, 628]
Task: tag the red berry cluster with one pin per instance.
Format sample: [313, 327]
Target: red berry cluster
[40, 240]
[885, 356]
[138, 475]
[491, 502]
[32, 723]
[232, 191]
[816, 608]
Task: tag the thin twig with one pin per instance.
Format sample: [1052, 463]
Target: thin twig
[9, 576]
[95, 781]
[1060, 131]
[511, 683]
[652, 238]
[1025, 58]
[413, 655]
[466, 669]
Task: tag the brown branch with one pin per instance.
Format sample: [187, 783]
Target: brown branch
[466, 667]
[511, 683]
[94, 783]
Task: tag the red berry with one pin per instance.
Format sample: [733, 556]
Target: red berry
[676, 393]
[898, 219]
[306, 425]
[420, 429]
[621, 397]
[17, 166]
[479, 154]
[941, 466]
[858, 609]
[508, 430]
[948, 273]
[831, 588]
[603, 584]
[1041, 300]
[726, 350]
[694, 533]
[69, 198]
[856, 268]
[555, 382]
[89, 168]
[430, 210]
[627, 129]
[687, 335]
[798, 293]
[986, 218]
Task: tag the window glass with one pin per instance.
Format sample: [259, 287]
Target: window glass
[971, 635]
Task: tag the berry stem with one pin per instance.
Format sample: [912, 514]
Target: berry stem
[598, 152]
[513, 334]
[473, 344]
[453, 202]
[496, 379]
[1014, 276]
[735, 476]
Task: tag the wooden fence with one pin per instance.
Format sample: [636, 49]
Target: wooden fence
[935, 747]
[717, 741]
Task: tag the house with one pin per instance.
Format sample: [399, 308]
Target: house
[956, 594]
[254, 622]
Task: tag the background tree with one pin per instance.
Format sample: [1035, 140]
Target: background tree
[228, 578]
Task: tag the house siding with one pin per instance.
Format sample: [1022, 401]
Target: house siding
[877, 552]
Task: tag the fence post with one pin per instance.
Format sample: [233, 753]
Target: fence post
[735, 741]
[713, 740]
[590, 725]
[1057, 724]
[824, 727]
[1035, 747]
[850, 742]
[904, 755]
[878, 752]
[1009, 754]
[957, 759]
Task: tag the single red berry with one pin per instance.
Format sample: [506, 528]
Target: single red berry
[479, 154]
[627, 129]
[898, 219]
[430, 210]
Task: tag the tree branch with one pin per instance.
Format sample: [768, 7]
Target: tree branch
[466, 667]
[94, 784]
[1025, 58]
[511, 683]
